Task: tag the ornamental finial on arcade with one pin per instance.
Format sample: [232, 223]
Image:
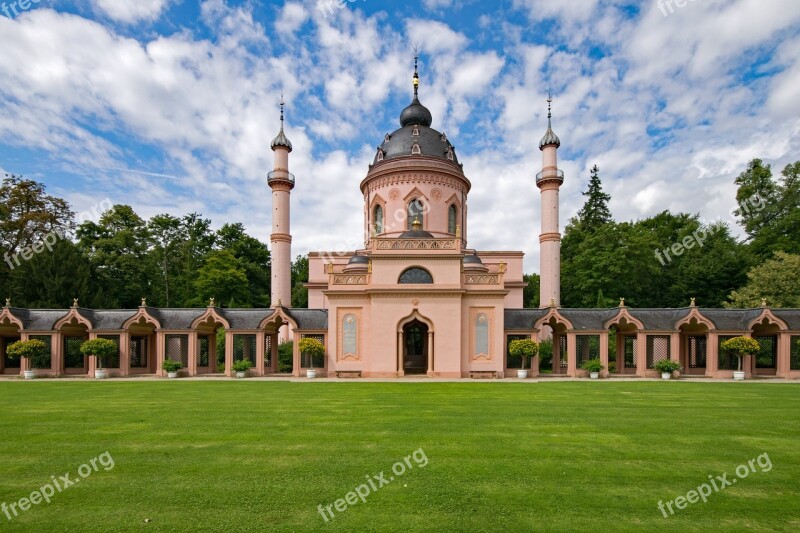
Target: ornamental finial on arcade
[74, 302]
[622, 302]
[8, 302]
[694, 302]
[212, 302]
[763, 302]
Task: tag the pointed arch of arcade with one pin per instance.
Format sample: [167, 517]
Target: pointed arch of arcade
[11, 331]
[267, 339]
[415, 317]
[72, 330]
[772, 334]
[563, 343]
[697, 344]
[141, 347]
[629, 344]
[203, 342]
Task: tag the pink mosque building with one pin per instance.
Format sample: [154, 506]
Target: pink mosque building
[416, 300]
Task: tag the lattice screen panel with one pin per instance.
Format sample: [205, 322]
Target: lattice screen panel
[586, 347]
[658, 348]
[46, 361]
[139, 352]
[73, 358]
[726, 360]
[203, 351]
[630, 348]
[768, 356]
[176, 348]
[698, 349]
[244, 347]
[267, 351]
[113, 361]
[795, 353]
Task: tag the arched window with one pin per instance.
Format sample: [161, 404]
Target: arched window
[482, 335]
[452, 219]
[416, 275]
[377, 219]
[416, 210]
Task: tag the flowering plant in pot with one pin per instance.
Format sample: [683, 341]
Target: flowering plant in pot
[740, 347]
[31, 350]
[667, 367]
[593, 366]
[525, 349]
[241, 367]
[171, 367]
[100, 349]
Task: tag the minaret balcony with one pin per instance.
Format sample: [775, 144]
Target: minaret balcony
[550, 174]
[280, 175]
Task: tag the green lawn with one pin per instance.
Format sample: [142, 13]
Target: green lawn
[254, 456]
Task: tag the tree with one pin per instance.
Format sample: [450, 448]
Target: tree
[299, 278]
[595, 211]
[770, 209]
[222, 277]
[28, 214]
[117, 247]
[531, 292]
[166, 235]
[776, 280]
[50, 280]
[254, 257]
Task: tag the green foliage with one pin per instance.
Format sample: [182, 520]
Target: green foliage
[170, 365]
[776, 280]
[770, 209]
[100, 348]
[667, 365]
[592, 365]
[530, 294]
[546, 355]
[285, 357]
[299, 278]
[30, 349]
[595, 211]
[311, 349]
[524, 348]
[50, 280]
[741, 346]
[222, 277]
[242, 365]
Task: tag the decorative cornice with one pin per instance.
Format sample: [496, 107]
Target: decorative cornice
[550, 237]
[461, 185]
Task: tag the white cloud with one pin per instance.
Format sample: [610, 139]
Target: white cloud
[132, 10]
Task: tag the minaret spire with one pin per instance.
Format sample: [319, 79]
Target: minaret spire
[416, 75]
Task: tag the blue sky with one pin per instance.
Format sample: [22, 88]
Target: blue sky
[170, 105]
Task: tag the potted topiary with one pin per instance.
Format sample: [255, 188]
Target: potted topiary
[171, 367]
[740, 347]
[593, 366]
[241, 367]
[99, 348]
[311, 348]
[667, 367]
[31, 350]
[526, 349]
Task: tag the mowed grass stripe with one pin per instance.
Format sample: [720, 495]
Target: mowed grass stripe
[255, 456]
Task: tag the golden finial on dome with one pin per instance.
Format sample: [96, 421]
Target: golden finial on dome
[417, 224]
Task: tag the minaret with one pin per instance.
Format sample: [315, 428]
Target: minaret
[549, 181]
[281, 181]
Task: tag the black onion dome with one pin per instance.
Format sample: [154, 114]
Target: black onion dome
[359, 260]
[472, 260]
[416, 114]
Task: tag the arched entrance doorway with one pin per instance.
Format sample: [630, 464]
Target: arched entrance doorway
[415, 348]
